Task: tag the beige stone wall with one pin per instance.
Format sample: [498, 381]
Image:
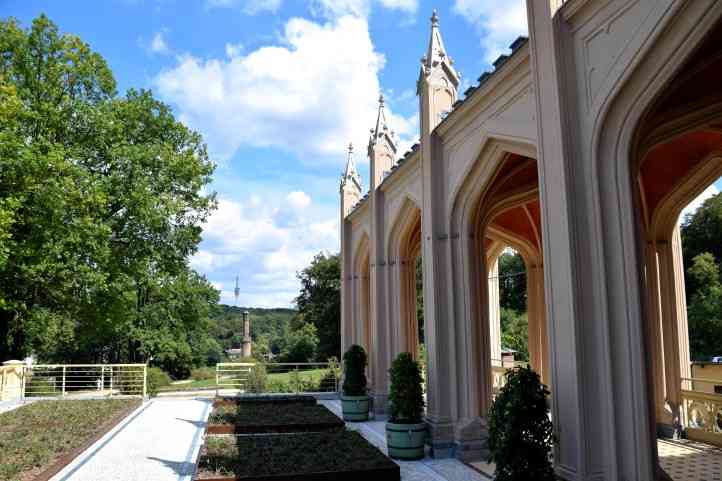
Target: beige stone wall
[709, 372]
[11, 380]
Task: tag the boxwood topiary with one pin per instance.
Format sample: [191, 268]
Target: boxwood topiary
[406, 396]
[354, 368]
[520, 432]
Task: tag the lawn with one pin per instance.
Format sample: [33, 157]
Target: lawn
[272, 379]
[35, 436]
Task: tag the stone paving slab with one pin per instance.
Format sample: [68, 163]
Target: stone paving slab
[427, 469]
[157, 442]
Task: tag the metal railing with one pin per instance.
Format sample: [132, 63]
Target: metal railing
[282, 378]
[702, 411]
[498, 373]
[84, 380]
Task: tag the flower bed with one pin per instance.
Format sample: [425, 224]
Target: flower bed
[270, 416]
[38, 440]
[333, 455]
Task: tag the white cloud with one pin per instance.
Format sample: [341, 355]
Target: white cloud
[298, 199]
[310, 95]
[158, 44]
[710, 191]
[246, 239]
[234, 49]
[499, 22]
[359, 8]
[250, 7]
[405, 5]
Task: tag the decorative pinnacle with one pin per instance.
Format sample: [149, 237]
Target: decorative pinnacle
[434, 19]
[381, 100]
[350, 148]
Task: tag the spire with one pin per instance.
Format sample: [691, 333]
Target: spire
[436, 55]
[382, 127]
[381, 117]
[351, 175]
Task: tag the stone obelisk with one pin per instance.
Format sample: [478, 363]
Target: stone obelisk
[246, 335]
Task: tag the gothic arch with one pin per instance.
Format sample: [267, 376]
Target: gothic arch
[620, 257]
[403, 248]
[469, 264]
[362, 297]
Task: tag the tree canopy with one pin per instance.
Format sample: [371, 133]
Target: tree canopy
[702, 250]
[319, 302]
[101, 204]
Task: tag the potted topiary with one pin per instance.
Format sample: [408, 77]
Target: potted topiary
[520, 432]
[405, 430]
[354, 400]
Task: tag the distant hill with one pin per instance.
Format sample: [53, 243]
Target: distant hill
[264, 322]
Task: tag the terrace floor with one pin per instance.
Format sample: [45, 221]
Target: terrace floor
[428, 469]
[160, 441]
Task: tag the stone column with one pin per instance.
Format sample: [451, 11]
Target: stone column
[675, 335]
[536, 314]
[495, 313]
[653, 328]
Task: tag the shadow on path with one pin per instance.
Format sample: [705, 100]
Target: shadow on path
[179, 467]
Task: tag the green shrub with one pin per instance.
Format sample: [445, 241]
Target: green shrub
[38, 386]
[257, 379]
[329, 380]
[354, 365]
[203, 373]
[157, 378]
[406, 396]
[520, 432]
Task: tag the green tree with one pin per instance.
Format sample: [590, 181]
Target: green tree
[705, 308]
[512, 281]
[301, 343]
[515, 332]
[702, 232]
[101, 204]
[319, 302]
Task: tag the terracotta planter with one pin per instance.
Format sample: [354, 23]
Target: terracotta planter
[355, 408]
[406, 441]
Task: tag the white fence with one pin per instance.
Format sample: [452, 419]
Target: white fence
[84, 380]
[285, 378]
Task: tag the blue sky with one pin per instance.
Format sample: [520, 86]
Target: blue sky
[278, 88]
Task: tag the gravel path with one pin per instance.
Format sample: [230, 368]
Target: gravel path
[158, 442]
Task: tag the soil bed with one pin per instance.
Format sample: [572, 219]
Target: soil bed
[38, 440]
[334, 455]
[271, 417]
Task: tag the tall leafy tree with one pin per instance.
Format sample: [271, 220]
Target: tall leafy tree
[705, 308]
[101, 203]
[319, 302]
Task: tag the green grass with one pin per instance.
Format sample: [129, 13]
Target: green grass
[313, 375]
[32, 437]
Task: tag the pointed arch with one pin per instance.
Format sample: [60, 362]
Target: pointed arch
[403, 248]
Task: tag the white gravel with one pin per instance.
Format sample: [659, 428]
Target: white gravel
[157, 442]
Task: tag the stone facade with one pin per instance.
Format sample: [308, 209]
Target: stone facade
[579, 151]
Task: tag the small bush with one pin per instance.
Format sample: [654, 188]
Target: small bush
[520, 432]
[329, 380]
[38, 386]
[257, 379]
[157, 378]
[203, 373]
[405, 393]
[354, 382]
